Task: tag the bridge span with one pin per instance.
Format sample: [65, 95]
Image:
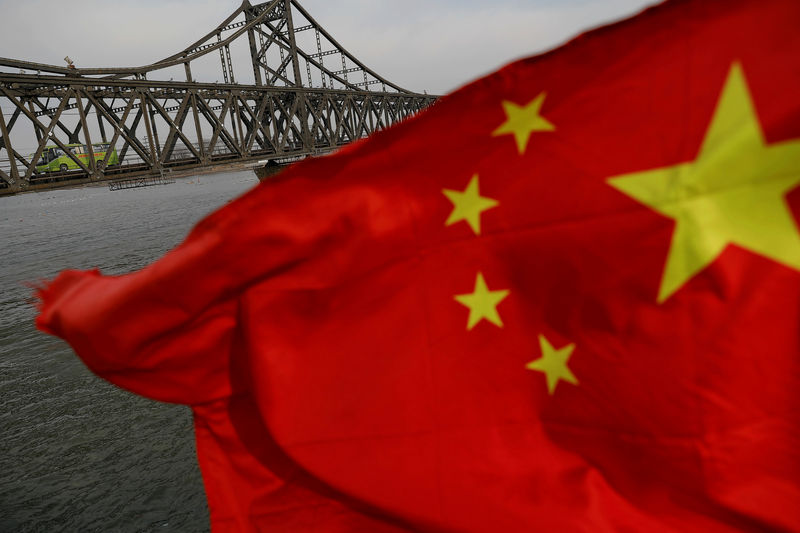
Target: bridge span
[284, 89]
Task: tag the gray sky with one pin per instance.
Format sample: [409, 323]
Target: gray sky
[421, 45]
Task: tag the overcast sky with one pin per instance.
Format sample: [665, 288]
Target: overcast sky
[419, 44]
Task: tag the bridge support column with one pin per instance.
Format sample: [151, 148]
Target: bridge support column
[86, 135]
[201, 144]
[14, 182]
[254, 50]
[302, 103]
[154, 162]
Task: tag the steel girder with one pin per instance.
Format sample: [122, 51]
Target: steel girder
[294, 107]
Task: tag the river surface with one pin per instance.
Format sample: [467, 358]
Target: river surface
[76, 453]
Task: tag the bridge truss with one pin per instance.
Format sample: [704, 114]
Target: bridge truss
[301, 93]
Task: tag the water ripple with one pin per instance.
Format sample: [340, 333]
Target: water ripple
[79, 454]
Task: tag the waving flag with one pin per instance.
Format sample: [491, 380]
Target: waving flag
[565, 298]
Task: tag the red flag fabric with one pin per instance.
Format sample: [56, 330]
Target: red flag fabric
[564, 299]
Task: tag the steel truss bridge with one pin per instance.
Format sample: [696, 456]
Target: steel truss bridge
[301, 93]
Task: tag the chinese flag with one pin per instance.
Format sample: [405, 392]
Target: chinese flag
[565, 298]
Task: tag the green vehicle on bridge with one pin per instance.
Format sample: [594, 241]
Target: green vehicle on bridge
[54, 159]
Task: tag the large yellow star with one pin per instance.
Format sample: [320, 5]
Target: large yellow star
[482, 303]
[521, 121]
[553, 363]
[468, 205]
[732, 193]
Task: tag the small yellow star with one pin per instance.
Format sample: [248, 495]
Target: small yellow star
[553, 364]
[521, 121]
[468, 205]
[482, 303]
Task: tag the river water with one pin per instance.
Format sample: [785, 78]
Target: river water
[76, 453]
